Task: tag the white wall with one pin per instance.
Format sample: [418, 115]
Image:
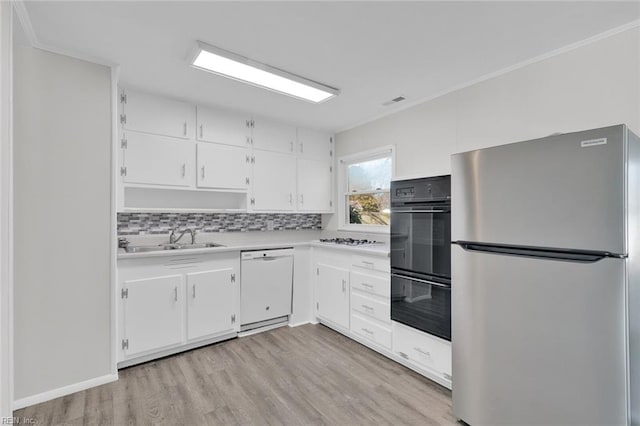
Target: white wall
[591, 86]
[6, 18]
[62, 166]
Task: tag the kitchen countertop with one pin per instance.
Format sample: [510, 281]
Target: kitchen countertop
[247, 241]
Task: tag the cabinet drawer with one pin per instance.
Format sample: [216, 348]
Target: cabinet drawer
[422, 349]
[371, 307]
[371, 284]
[380, 264]
[371, 331]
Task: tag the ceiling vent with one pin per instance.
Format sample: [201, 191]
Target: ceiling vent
[394, 101]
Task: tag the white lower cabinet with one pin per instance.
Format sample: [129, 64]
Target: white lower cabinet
[371, 330]
[423, 350]
[210, 303]
[366, 317]
[153, 313]
[172, 303]
[332, 286]
[376, 308]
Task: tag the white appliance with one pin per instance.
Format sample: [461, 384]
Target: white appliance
[266, 287]
[546, 281]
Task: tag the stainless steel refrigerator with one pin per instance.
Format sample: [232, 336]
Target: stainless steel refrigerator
[546, 281]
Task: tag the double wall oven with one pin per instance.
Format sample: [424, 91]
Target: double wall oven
[421, 254]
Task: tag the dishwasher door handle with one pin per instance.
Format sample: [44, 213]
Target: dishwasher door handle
[267, 258]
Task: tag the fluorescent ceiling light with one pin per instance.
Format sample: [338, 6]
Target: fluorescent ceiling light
[227, 64]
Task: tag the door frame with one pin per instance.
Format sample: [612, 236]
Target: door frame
[6, 210]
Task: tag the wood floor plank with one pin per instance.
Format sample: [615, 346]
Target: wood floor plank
[307, 375]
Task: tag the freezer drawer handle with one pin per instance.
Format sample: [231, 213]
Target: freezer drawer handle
[569, 255]
[433, 283]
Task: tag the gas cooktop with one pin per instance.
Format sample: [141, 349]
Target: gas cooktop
[348, 241]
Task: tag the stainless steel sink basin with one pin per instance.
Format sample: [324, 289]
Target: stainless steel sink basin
[161, 247]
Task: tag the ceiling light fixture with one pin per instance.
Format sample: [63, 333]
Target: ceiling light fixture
[236, 67]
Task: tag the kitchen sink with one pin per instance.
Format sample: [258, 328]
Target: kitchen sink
[161, 247]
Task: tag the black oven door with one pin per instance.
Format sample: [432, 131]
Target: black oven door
[422, 304]
[421, 239]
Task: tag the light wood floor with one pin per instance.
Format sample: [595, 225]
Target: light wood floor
[308, 375]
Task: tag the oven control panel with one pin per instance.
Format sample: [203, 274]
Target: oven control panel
[422, 189]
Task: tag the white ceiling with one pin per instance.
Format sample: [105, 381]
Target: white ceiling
[371, 51]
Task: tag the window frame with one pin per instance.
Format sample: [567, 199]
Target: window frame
[343, 182]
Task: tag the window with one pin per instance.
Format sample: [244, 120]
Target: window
[365, 181]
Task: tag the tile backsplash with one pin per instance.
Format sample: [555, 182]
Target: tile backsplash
[162, 223]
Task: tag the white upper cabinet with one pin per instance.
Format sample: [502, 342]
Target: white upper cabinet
[274, 181]
[314, 144]
[314, 186]
[157, 160]
[273, 136]
[222, 166]
[156, 115]
[225, 127]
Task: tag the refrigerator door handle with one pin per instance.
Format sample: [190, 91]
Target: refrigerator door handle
[570, 255]
[433, 283]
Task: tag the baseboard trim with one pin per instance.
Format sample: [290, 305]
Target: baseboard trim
[65, 390]
[298, 324]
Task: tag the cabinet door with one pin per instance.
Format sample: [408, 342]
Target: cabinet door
[158, 160]
[314, 144]
[220, 126]
[273, 136]
[153, 313]
[222, 166]
[332, 289]
[314, 186]
[211, 302]
[157, 115]
[274, 181]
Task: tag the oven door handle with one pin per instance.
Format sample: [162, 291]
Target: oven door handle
[422, 211]
[404, 277]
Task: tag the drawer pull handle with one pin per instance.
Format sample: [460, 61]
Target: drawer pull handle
[368, 263]
[344, 286]
[367, 307]
[403, 355]
[175, 293]
[367, 285]
[366, 330]
[423, 352]
[194, 291]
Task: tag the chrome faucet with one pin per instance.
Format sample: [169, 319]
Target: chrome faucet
[173, 239]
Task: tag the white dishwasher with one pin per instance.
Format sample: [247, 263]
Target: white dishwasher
[266, 287]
